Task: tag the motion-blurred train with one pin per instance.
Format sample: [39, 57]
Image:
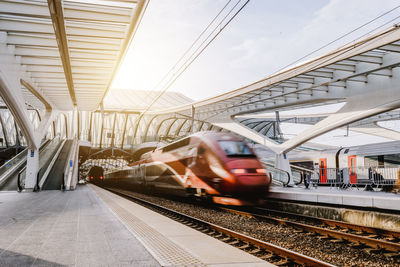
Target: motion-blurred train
[382, 155]
[219, 167]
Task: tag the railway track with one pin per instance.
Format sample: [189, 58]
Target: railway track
[264, 250]
[372, 240]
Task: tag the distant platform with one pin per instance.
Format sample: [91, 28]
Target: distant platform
[344, 197]
[93, 227]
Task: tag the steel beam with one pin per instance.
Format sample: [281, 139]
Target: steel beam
[57, 17]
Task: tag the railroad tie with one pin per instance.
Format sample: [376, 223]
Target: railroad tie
[392, 255]
[358, 245]
[374, 250]
[244, 246]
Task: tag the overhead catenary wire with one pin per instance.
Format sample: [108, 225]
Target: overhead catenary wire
[190, 47]
[194, 56]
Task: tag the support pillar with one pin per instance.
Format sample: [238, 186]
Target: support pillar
[32, 168]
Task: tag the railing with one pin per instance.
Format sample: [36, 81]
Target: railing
[20, 182]
[10, 166]
[356, 176]
[368, 177]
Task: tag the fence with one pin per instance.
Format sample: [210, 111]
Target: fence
[357, 176]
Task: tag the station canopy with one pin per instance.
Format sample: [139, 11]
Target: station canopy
[70, 50]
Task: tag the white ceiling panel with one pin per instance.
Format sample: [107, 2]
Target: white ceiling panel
[70, 49]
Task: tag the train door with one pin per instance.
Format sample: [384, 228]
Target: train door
[352, 169]
[322, 171]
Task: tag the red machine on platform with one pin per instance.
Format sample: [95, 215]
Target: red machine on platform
[217, 166]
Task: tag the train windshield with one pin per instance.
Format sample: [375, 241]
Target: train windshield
[235, 149]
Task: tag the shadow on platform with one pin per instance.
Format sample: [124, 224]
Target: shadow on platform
[10, 258]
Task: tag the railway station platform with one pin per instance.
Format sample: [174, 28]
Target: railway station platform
[356, 197]
[93, 227]
[368, 208]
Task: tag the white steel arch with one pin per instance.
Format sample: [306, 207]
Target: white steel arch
[365, 75]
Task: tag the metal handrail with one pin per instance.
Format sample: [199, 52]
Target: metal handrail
[9, 167]
[63, 183]
[19, 179]
[292, 166]
[37, 187]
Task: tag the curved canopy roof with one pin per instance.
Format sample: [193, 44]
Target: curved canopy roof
[70, 49]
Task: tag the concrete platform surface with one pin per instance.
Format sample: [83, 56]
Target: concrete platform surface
[172, 243]
[332, 195]
[92, 227]
[54, 228]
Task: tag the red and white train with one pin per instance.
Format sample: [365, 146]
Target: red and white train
[355, 159]
[217, 166]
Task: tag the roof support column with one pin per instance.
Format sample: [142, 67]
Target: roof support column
[147, 129]
[102, 126]
[124, 130]
[178, 130]
[90, 127]
[10, 91]
[169, 128]
[32, 163]
[137, 124]
[113, 131]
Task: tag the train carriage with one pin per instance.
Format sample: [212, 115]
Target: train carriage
[210, 165]
[358, 162]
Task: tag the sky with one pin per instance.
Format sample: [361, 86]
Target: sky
[264, 37]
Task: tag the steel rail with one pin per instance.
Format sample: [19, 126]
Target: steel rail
[229, 236]
[337, 236]
[391, 235]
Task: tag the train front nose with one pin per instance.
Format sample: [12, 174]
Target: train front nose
[250, 176]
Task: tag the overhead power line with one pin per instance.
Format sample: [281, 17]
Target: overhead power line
[200, 49]
[190, 47]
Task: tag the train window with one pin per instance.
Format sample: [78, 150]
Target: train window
[235, 148]
[181, 143]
